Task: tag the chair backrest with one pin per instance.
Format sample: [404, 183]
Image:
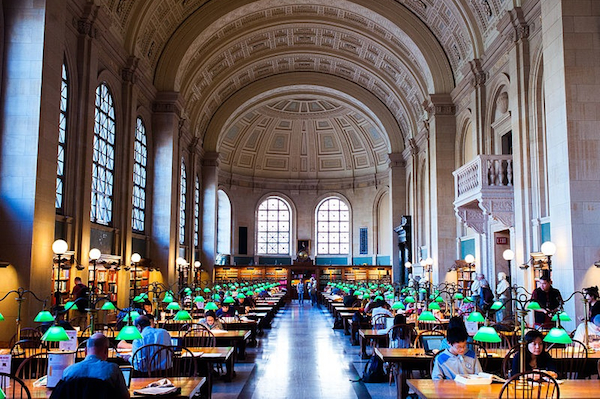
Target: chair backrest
[199, 337]
[27, 347]
[145, 363]
[410, 334]
[85, 387]
[419, 340]
[480, 352]
[506, 368]
[379, 321]
[33, 367]
[99, 327]
[183, 363]
[570, 359]
[530, 384]
[13, 387]
[26, 333]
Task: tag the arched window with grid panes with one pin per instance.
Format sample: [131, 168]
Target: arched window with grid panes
[62, 141]
[182, 202]
[140, 161]
[196, 212]
[273, 221]
[103, 158]
[333, 227]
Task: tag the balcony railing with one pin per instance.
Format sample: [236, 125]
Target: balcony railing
[486, 172]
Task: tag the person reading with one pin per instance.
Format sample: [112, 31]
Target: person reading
[457, 359]
[536, 357]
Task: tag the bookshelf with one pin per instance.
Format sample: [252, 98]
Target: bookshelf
[64, 284]
[106, 283]
[140, 278]
[464, 278]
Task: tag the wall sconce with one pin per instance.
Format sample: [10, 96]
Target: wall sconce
[470, 259]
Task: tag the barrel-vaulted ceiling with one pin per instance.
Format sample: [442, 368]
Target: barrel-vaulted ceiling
[210, 51]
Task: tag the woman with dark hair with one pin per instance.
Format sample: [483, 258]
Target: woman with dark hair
[536, 357]
[400, 337]
[591, 296]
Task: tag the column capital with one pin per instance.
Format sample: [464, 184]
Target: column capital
[479, 76]
[512, 26]
[167, 102]
[396, 160]
[128, 73]
[210, 158]
[439, 104]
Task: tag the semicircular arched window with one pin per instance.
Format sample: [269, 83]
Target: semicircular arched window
[273, 221]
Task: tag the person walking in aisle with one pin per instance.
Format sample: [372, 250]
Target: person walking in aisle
[300, 288]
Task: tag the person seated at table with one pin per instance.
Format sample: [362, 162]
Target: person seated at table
[455, 321]
[60, 321]
[536, 357]
[379, 309]
[210, 321]
[95, 365]
[400, 337]
[225, 311]
[457, 359]
[591, 296]
[244, 301]
[264, 293]
[350, 298]
[593, 333]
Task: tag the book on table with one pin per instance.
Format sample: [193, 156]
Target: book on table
[478, 379]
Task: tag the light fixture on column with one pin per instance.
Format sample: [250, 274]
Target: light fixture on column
[59, 247]
[549, 249]
[508, 256]
[135, 258]
[469, 259]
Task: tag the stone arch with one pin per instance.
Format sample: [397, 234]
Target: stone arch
[240, 100]
[498, 114]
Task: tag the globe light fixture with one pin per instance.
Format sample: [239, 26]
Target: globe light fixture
[469, 259]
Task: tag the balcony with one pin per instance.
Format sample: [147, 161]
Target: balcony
[483, 189]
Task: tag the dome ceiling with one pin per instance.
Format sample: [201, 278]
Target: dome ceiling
[303, 138]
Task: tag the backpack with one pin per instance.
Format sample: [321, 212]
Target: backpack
[373, 371]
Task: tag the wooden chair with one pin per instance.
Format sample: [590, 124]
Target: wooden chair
[27, 333]
[529, 385]
[145, 363]
[408, 328]
[25, 348]
[480, 352]
[199, 337]
[419, 340]
[570, 359]
[183, 363]
[13, 387]
[506, 368]
[99, 327]
[33, 367]
[379, 322]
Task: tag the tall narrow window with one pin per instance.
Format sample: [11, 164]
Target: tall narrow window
[62, 140]
[223, 223]
[103, 159]
[140, 160]
[196, 211]
[182, 203]
[333, 227]
[273, 227]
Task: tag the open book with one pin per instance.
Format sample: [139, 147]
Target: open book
[478, 379]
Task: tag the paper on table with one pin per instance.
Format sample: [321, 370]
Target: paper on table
[155, 391]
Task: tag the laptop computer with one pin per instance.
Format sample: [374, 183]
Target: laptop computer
[127, 371]
[432, 343]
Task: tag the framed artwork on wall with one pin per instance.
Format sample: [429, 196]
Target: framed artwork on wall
[304, 245]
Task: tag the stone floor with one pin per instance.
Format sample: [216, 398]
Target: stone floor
[301, 356]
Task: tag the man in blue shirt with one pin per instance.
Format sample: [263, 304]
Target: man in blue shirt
[457, 359]
[150, 335]
[95, 366]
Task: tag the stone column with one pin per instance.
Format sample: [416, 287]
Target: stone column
[572, 98]
[165, 200]
[210, 186]
[442, 130]
[28, 151]
[397, 178]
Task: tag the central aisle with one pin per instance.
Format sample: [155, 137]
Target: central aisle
[301, 356]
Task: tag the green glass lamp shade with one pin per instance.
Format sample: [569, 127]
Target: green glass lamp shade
[217, 297]
[188, 291]
[434, 305]
[468, 299]
[129, 333]
[108, 305]
[533, 306]
[426, 316]
[476, 316]
[183, 315]
[44, 317]
[422, 290]
[389, 296]
[217, 287]
[404, 290]
[366, 295]
[1, 317]
[458, 296]
[173, 306]
[207, 289]
[131, 316]
[563, 317]
[409, 299]
[55, 333]
[250, 293]
[398, 305]
[487, 334]
[379, 298]
[211, 306]
[229, 299]
[240, 296]
[138, 299]
[198, 299]
[69, 305]
[557, 336]
[439, 299]
[432, 296]
[227, 293]
[497, 305]
[168, 298]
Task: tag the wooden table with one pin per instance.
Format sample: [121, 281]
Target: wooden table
[448, 389]
[236, 338]
[190, 386]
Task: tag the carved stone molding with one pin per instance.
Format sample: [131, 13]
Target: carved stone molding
[128, 74]
[513, 26]
[479, 76]
[474, 217]
[500, 209]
